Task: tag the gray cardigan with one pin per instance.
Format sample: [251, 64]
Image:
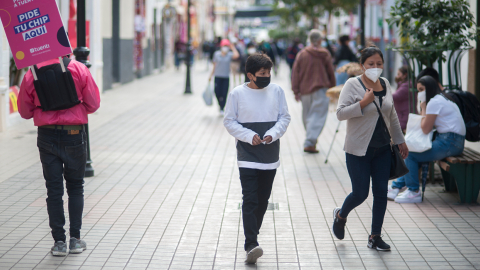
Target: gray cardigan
[361, 123]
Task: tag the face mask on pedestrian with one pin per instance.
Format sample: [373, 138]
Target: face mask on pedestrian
[262, 82]
[373, 73]
[251, 51]
[422, 96]
[225, 49]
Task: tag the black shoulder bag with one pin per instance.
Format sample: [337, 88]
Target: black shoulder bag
[398, 168]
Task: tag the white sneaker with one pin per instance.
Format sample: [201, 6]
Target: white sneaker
[253, 254]
[392, 193]
[409, 196]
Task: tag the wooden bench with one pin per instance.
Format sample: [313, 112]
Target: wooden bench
[462, 173]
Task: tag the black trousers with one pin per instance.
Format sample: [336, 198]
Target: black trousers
[256, 190]
[221, 91]
[63, 155]
[374, 165]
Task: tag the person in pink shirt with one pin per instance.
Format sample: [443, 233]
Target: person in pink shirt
[62, 145]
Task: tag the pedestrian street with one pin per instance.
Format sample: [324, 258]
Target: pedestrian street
[166, 195]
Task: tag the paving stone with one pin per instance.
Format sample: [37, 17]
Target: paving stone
[166, 194]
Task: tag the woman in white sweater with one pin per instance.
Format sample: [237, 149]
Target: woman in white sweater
[367, 143]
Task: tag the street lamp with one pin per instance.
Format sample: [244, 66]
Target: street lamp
[188, 89]
[81, 55]
[362, 23]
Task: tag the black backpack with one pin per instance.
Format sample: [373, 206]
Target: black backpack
[55, 86]
[470, 109]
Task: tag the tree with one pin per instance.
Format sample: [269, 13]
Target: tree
[292, 10]
[433, 26]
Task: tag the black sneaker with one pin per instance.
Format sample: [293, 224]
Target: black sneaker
[377, 243]
[338, 227]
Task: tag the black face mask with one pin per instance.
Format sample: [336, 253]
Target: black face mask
[262, 82]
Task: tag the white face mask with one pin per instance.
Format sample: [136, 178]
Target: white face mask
[422, 97]
[225, 49]
[251, 51]
[373, 73]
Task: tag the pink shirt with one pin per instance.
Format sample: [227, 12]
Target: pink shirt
[87, 91]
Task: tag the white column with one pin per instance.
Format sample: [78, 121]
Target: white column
[94, 15]
[4, 80]
[64, 7]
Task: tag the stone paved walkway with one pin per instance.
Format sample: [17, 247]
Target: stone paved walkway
[166, 195]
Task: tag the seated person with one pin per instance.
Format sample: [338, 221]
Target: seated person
[432, 73]
[443, 114]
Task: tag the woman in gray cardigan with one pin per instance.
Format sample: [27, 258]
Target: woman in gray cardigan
[367, 144]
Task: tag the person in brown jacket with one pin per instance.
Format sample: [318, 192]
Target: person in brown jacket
[312, 75]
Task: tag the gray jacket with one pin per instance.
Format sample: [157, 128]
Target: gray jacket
[361, 123]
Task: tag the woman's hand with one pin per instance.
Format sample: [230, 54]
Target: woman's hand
[403, 150]
[368, 98]
[423, 106]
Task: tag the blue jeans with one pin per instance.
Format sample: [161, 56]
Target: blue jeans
[375, 164]
[341, 78]
[444, 145]
[63, 156]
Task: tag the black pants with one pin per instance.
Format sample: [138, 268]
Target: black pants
[376, 165]
[63, 155]
[221, 91]
[256, 190]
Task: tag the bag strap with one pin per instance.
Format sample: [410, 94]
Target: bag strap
[62, 61]
[378, 109]
[32, 68]
[62, 64]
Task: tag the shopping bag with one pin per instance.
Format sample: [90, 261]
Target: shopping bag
[208, 94]
[416, 140]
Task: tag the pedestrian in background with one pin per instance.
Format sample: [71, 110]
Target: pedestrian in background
[401, 96]
[343, 56]
[367, 143]
[312, 75]
[251, 50]
[443, 114]
[179, 53]
[292, 52]
[63, 148]
[235, 64]
[432, 73]
[257, 116]
[221, 70]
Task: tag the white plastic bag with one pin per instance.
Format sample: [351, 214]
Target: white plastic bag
[416, 140]
[208, 94]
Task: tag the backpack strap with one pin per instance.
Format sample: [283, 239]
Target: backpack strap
[62, 64]
[32, 68]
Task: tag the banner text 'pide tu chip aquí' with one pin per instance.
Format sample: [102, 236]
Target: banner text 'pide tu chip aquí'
[34, 31]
